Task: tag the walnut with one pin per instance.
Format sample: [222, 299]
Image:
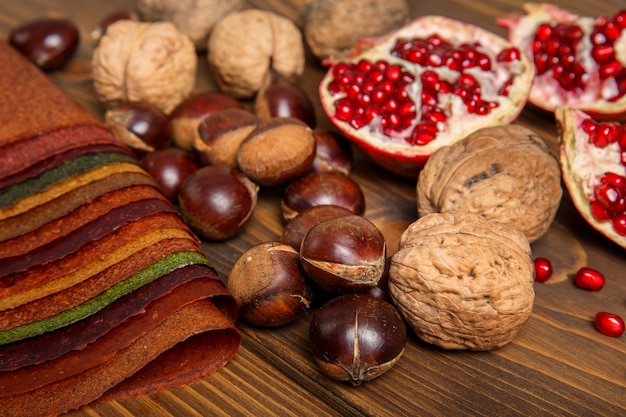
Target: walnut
[332, 28]
[138, 61]
[246, 46]
[194, 18]
[505, 173]
[463, 282]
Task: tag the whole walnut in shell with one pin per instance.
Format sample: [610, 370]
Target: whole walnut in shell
[245, 47]
[138, 61]
[332, 28]
[462, 282]
[505, 173]
[194, 18]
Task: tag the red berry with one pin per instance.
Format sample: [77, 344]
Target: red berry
[543, 269]
[589, 279]
[609, 324]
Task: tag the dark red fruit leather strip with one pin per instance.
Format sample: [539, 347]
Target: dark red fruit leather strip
[194, 283]
[77, 218]
[77, 294]
[81, 237]
[188, 346]
[39, 216]
[36, 276]
[54, 344]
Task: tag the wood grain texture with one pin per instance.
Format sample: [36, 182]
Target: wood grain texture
[557, 365]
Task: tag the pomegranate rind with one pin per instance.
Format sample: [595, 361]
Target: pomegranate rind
[397, 155]
[545, 92]
[582, 169]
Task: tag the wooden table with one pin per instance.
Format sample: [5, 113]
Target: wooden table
[557, 365]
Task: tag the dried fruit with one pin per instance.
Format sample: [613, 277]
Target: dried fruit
[543, 269]
[580, 61]
[427, 85]
[609, 324]
[589, 279]
[505, 173]
[463, 282]
[242, 60]
[593, 162]
[48, 43]
[356, 338]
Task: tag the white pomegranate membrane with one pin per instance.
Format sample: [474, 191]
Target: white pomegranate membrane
[421, 84]
[601, 156]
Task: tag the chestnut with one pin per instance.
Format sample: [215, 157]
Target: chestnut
[318, 188]
[356, 338]
[299, 226]
[344, 254]
[122, 14]
[49, 43]
[282, 98]
[217, 201]
[188, 114]
[220, 134]
[141, 125]
[169, 167]
[269, 285]
[333, 153]
[277, 151]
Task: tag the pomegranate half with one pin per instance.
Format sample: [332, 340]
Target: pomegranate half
[593, 163]
[580, 61]
[424, 86]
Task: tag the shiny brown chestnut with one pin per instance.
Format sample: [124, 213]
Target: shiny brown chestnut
[318, 188]
[188, 114]
[333, 153]
[141, 125]
[220, 134]
[169, 167]
[122, 14]
[299, 226]
[217, 201]
[269, 285]
[356, 338]
[49, 43]
[344, 254]
[283, 98]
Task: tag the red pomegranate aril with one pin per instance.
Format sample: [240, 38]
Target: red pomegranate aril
[599, 212]
[619, 224]
[589, 279]
[543, 269]
[508, 55]
[609, 324]
[602, 53]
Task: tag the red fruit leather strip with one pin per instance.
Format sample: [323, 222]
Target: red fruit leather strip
[38, 282]
[188, 346]
[32, 105]
[86, 213]
[41, 215]
[189, 284]
[88, 233]
[29, 157]
[79, 293]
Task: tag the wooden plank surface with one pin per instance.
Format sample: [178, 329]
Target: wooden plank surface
[557, 365]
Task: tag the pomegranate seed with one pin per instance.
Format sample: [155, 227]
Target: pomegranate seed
[603, 53]
[589, 279]
[619, 225]
[609, 324]
[508, 55]
[599, 212]
[434, 60]
[544, 31]
[620, 19]
[543, 269]
[588, 126]
[407, 108]
[435, 40]
[343, 109]
[601, 138]
[484, 62]
[615, 179]
[611, 31]
[610, 69]
[610, 197]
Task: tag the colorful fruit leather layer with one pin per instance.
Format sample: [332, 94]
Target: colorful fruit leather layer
[105, 292]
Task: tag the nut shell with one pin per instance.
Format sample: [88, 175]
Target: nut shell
[505, 173]
[461, 281]
[137, 61]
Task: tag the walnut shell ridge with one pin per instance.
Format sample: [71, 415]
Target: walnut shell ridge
[505, 173]
[462, 282]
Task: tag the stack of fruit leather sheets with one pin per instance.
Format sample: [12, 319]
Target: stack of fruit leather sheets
[105, 292]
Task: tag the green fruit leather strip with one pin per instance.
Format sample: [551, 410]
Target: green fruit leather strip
[81, 164]
[158, 300]
[163, 266]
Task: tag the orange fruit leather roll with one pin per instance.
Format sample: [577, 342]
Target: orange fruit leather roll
[94, 261]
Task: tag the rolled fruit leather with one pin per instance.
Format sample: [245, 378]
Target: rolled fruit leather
[85, 238]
